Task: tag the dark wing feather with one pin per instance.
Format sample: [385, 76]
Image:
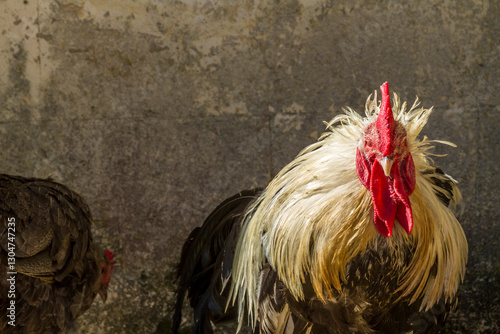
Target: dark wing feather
[444, 186]
[57, 263]
[205, 263]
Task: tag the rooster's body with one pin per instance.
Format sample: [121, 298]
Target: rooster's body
[51, 270]
[353, 236]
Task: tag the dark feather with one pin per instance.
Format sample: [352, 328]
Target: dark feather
[445, 188]
[369, 302]
[57, 264]
[206, 261]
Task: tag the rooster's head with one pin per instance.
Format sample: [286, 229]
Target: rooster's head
[106, 270]
[385, 167]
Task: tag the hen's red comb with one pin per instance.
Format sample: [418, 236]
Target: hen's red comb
[385, 122]
[110, 257]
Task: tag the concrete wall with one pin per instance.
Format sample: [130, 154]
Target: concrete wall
[157, 110]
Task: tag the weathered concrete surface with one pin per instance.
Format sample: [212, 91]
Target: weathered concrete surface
[157, 110]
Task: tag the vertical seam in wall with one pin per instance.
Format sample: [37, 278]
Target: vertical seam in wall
[39, 51]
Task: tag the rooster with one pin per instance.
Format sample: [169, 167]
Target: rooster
[355, 235]
[51, 270]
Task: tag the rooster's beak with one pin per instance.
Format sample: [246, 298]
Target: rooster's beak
[386, 163]
[104, 294]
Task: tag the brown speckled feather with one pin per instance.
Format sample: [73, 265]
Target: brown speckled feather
[57, 263]
[368, 303]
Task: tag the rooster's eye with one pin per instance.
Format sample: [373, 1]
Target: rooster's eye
[103, 268]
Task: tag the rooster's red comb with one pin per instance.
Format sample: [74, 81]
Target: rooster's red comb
[385, 122]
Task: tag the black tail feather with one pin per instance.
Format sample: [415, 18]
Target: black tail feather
[182, 288]
[206, 261]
